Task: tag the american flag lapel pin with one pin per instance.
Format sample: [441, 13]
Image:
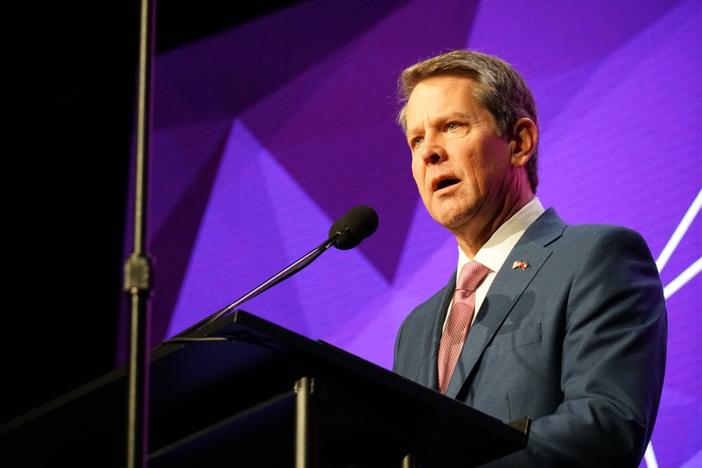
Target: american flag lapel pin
[521, 264]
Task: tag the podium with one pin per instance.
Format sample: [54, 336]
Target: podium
[262, 396]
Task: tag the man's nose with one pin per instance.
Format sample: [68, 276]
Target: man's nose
[433, 151]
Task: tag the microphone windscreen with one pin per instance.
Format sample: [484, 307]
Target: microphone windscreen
[360, 222]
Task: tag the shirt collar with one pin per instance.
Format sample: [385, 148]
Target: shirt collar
[495, 251]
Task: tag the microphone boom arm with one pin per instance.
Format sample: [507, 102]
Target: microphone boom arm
[282, 275]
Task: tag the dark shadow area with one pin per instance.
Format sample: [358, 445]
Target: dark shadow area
[67, 208]
[182, 21]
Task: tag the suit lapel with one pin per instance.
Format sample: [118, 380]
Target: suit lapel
[505, 291]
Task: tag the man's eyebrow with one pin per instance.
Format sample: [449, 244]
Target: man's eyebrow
[443, 118]
[460, 115]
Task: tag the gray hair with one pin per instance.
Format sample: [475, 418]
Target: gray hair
[500, 89]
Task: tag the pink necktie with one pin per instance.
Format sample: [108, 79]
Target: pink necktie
[459, 320]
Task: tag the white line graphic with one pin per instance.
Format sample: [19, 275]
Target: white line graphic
[650, 457]
[680, 281]
[679, 232]
[683, 278]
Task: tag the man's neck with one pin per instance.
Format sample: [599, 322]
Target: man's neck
[474, 235]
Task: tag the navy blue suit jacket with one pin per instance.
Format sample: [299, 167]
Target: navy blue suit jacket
[576, 341]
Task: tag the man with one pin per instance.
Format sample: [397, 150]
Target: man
[563, 324]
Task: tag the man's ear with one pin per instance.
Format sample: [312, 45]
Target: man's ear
[525, 137]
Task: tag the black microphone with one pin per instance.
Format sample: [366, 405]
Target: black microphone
[360, 222]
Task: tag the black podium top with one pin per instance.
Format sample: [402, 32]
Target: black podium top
[231, 403]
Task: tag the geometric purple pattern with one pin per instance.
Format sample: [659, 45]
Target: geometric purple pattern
[266, 133]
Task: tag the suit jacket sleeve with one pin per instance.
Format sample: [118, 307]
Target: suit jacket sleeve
[613, 359]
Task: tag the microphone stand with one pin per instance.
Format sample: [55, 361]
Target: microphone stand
[137, 267]
[282, 275]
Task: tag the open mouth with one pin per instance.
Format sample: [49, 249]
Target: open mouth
[443, 183]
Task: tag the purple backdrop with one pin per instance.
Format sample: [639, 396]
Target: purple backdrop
[268, 132]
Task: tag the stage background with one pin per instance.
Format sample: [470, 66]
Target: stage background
[267, 132]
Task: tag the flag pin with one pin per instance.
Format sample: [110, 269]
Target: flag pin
[521, 264]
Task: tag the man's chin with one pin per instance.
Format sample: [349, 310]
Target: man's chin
[452, 221]
[456, 219]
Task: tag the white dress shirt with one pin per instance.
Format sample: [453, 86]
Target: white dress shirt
[495, 251]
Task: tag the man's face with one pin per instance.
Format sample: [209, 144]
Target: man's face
[461, 167]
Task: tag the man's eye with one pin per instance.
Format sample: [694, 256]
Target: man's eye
[453, 125]
[417, 141]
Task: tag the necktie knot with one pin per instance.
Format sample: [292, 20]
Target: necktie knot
[472, 274]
